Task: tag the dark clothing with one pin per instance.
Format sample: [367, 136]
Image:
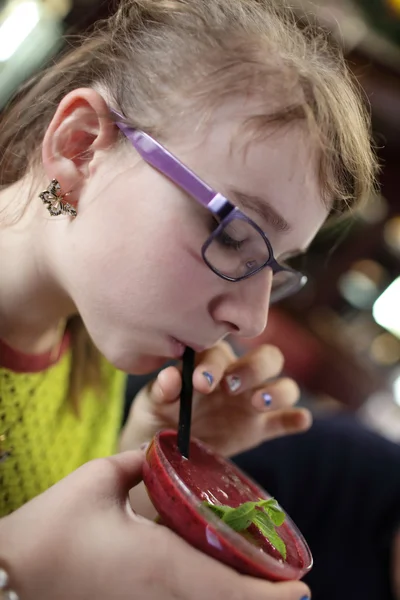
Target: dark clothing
[341, 486]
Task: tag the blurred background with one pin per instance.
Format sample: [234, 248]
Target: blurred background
[341, 334]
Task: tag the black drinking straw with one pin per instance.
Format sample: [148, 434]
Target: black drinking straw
[185, 410]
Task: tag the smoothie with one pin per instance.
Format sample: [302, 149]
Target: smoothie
[180, 488]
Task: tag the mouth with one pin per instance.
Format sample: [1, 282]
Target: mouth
[178, 347]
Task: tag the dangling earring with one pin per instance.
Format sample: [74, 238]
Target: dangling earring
[54, 200]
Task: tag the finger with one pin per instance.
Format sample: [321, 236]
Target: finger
[128, 470]
[253, 369]
[287, 421]
[211, 367]
[111, 477]
[220, 581]
[261, 590]
[166, 388]
[243, 587]
[281, 393]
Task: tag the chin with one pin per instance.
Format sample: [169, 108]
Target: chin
[125, 357]
[146, 364]
[137, 364]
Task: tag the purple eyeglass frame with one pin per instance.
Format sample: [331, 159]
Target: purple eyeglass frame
[169, 165]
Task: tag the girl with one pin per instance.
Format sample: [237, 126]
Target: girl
[154, 182]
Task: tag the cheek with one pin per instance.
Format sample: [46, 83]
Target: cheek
[139, 253]
[177, 273]
[132, 260]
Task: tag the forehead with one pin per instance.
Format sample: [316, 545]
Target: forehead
[279, 165]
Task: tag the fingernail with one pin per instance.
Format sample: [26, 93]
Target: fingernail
[234, 382]
[144, 446]
[267, 401]
[305, 598]
[208, 377]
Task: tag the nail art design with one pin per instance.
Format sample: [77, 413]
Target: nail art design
[267, 399]
[208, 377]
[234, 382]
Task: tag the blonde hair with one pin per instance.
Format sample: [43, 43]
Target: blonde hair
[161, 61]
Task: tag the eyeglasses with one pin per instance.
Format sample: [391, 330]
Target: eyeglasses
[237, 248]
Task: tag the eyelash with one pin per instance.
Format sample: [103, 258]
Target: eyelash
[225, 239]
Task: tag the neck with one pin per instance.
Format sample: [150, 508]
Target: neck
[32, 304]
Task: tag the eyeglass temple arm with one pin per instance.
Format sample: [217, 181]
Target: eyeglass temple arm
[162, 160]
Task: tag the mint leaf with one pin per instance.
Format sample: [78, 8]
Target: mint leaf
[270, 502]
[272, 509]
[276, 516]
[217, 509]
[266, 526]
[240, 518]
[264, 514]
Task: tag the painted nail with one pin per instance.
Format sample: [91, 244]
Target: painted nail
[208, 377]
[305, 598]
[234, 382]
[267, 399]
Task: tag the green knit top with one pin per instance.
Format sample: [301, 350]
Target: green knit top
[42, 439]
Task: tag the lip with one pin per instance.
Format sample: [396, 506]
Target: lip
[195, 347]
[178, 347]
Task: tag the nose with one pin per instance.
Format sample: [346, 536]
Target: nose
[242, 307]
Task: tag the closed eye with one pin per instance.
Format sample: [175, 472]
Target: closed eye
[225, 239]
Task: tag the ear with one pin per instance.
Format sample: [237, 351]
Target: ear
[79, 130]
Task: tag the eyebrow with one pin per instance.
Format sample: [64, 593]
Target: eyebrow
[262, 208]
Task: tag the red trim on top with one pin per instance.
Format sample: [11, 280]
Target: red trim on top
[19, 362]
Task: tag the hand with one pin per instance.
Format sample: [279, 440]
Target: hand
[229, 420]
[81, 540]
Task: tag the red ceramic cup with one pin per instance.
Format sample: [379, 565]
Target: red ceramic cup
[178, 487]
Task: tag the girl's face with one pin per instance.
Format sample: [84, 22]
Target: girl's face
[131, 261]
